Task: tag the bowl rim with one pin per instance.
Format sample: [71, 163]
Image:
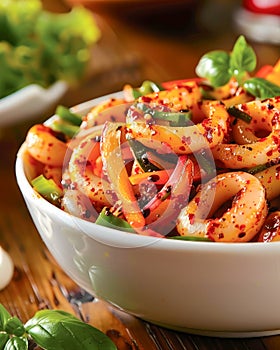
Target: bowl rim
[127, 239]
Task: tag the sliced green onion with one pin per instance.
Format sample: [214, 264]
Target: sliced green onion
[191, 238]
[146, 88]
[140, 154]
[65, 128]
[257, 169]
[107, 219]
[174, 118]
[65, 114]
[47, 188]
[235, 112]
[149, 86]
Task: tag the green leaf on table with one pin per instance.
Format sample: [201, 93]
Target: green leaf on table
[16, 343]
[14, 326]
[261, 88]
[4, 317]
[59, 330]
[4, 337]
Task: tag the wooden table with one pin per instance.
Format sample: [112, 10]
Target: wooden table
[133, 53]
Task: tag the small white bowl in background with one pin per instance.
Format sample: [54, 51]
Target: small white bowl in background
[29, 102]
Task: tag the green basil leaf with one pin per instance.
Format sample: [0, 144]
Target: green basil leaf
[242, 58]
[4, 316]
[14, 326]
[58, 330]
[261, 88]
[214, 66]
[4, 337]
[17, 343]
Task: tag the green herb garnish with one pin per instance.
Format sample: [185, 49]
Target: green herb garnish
[107, 219]
[48, 189]
[218, 67]
[51, 330]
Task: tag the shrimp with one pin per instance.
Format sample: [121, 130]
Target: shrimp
[113, 109]
[186, 140]
[44, 146]
[239, 223]
[80, 172]
[270, 179]
[265, 149]
[185, 96]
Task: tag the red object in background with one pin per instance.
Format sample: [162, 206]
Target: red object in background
[269, 7]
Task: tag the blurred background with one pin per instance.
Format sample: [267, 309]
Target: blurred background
[163, 40]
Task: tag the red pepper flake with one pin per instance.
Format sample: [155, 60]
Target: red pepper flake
[146, 99]
[239, 158]
[191, 218]
[186, 140]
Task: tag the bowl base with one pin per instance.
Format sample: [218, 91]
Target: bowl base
[219, 334]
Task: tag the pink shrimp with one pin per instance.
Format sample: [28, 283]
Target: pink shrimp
[239, 223]
[265, 115]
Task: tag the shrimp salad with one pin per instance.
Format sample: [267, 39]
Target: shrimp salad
[194, 159]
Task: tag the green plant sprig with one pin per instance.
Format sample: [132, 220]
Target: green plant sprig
[51, 330]
[219, 66]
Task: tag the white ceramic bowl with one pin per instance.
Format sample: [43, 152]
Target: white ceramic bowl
[221, 289]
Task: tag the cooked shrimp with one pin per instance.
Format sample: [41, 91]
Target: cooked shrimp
[186, 140]
[270, 179]
[44, 146]
[186, 96]
[81, 175]
[113, 109]
[55, 173]
[239, 223]
[265, 115]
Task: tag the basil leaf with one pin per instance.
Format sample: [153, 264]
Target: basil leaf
[58, 330]
[261, 88]
[16, 343]
[4, 316]
[14, 326]
[4, 337]
[214, 66]
[243, 58]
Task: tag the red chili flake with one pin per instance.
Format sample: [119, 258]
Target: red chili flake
[275, 139]
[269, 153]
[186, 140]
[239, 158]
[191, 218]
[241, 234]
[182, 148]
[146, 99]
[275, 120]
